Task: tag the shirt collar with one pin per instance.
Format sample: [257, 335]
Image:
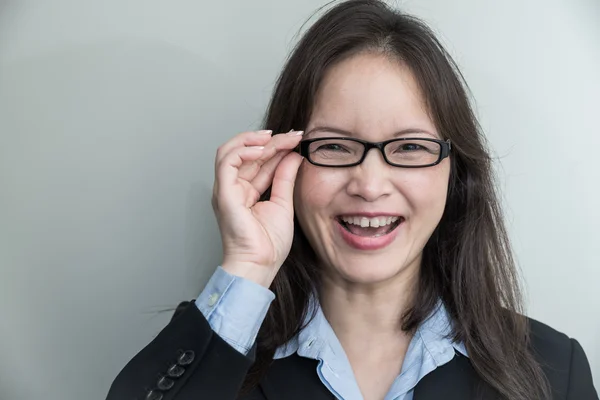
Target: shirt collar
[317, 336]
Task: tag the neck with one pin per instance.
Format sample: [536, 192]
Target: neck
[363, 315]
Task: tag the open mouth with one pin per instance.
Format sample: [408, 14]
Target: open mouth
[369, 227]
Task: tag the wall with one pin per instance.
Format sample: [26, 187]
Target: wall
[110, 114]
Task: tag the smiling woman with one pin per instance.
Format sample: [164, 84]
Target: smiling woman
[371, 263]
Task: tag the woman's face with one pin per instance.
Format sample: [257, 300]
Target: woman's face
[371, 98]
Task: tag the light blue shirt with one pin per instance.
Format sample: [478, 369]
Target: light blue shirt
[236, 308]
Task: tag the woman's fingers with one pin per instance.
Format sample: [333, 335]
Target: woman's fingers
[226, 170]
[245, 162]
[282, 143]
[264, 178]
[282, 191]
[251, 138]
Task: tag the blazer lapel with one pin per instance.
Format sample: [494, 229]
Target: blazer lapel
[455, 380]
[295, 378]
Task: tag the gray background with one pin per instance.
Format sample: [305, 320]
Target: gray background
[110, 114]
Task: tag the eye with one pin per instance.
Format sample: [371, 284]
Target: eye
[336, 147]
[409, 147]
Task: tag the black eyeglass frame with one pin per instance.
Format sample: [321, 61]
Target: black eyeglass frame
[445, 145]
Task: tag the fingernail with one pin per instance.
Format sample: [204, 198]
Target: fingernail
[256, 147]
[265, 132]
[295, 133]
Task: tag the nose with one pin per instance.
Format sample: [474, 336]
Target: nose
[370, 179]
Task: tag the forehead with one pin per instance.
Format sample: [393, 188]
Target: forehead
[372, 96]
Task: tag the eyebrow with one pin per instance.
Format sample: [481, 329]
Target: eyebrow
[348, 133]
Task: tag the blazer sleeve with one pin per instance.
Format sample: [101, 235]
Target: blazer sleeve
[186, 360]
[581, 386]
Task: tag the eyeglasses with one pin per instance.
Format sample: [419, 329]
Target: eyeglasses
[348, 152]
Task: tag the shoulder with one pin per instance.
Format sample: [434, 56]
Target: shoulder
[545, 339]
[553, 346]
[563, 361]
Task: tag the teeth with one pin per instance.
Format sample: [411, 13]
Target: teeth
[365, 222]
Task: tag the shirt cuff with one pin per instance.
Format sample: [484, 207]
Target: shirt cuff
[235, 308]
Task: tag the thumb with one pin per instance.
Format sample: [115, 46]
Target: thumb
[282, 189]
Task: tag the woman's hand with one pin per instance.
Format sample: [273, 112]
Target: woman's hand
[256, 236]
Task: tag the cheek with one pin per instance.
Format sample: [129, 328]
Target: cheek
[426, 192]
[315, 190]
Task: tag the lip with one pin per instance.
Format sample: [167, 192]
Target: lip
[366, 242]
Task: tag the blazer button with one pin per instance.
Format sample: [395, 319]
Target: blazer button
[154, 395]
[165, 383]
[175, 371]
[186, 358]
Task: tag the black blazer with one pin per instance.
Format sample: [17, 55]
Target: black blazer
[188, 361]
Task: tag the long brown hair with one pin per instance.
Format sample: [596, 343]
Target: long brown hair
[467, 262]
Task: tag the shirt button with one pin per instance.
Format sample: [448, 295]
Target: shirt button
[212, 299]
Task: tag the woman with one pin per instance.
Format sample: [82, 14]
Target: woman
[366, 256]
